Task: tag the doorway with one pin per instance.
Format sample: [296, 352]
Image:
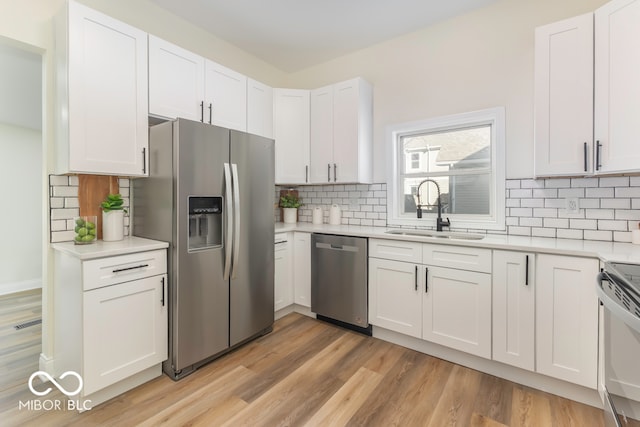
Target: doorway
[22, 226]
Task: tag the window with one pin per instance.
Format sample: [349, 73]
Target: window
[464, 155]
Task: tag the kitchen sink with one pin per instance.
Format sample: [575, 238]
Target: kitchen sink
[437, 234]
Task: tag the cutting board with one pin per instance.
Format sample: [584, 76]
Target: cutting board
[92, 190]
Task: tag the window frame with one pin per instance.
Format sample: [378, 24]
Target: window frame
[495, 117]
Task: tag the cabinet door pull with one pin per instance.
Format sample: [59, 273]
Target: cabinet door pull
[415, 279]
[202, 111]
[144, 161]
[598, 153]
[210, 112]
[585, 156]
[426, 280]
[526, 270]
[306, 173]
[328, 172]
[335, 173]
[118, 270]
[162, 280]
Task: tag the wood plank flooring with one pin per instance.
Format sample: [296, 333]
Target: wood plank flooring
[310, 373]
[19, 349]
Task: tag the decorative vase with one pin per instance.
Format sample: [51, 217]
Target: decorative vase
[85, 229]
[112, 226]
[290, 215]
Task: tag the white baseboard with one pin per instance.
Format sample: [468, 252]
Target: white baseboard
[25, 285]
[46, 364]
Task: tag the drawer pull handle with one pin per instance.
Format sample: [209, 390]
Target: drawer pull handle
[118, 270]
[526, 271]
[426, 280]
[415, 279]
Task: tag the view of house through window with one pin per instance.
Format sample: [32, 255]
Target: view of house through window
[464, 155]
[459, 160]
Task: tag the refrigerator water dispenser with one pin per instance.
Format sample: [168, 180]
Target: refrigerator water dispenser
[205, 223]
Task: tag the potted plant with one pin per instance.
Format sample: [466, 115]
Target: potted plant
[113, 218]
[290, 203]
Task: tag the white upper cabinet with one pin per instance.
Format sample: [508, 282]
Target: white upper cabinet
[593, 56]
[176, 81]
[341, 133]
[225, 97]
[291, 132]
[617, 87]
[102, 94]
[183, 84]
[259, 109]
[564, 97]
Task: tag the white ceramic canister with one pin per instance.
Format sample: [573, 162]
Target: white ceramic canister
[335, 216]
[317, 216]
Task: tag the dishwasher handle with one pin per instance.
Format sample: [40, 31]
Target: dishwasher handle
[334, 247]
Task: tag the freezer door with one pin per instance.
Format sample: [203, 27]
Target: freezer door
[251, 290]
[201, 300]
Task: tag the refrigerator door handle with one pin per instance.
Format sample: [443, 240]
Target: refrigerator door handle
[236, 219]
[228, 220]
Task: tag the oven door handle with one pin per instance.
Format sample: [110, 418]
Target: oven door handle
[614, 306]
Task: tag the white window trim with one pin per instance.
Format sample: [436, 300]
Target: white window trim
[493, 116]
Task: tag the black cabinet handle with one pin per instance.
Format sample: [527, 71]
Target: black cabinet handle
[526, 270]
[328, 172]
[210, 112]
[202, 111]
[426, 280]
[598, 149]
[306, 173]
[585, 156]
[118, 270]
[144, 160]
[415, 279]
[162, 280]
[335, 173]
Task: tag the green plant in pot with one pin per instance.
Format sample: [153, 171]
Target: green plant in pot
[113, 211]
[290, 203]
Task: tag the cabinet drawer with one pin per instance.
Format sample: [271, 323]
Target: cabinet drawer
[396, 250]
[123, 268]
[460, 257]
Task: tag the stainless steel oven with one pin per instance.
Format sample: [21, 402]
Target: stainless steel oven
[619, 292]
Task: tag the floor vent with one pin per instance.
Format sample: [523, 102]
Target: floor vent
[27, 324]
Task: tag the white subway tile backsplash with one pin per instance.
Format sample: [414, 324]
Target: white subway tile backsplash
[543, 232]
[584, 224]
[634, 181]
[628, 192]
[565, 233]
[590, 203]
[55, 180]
[598, 235]
[631, 215]
[56, 202]
[545, 212]
[62, 191]
[622, 236]
[612, 225]
[599, 213]
[520, 194]
[557, 183]
[550, 193]
[556, 223]
[532, 203]
[531, 183]
[64, 213]
[616, 181]
[599, 192]
[571, 192]
[584, 182]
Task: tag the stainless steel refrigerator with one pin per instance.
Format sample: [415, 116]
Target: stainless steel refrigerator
[210, 194]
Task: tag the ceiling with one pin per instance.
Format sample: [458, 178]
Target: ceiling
[296, 34]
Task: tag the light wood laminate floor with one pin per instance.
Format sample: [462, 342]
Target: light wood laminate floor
[310, 373]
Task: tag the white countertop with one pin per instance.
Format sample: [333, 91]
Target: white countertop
[102, 249]
[606, 251]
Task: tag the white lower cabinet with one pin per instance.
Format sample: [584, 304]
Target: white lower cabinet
[448, 306]
[567, 318]
[283, 273]
[110, 318]
[125, 330]
[457, 310]
[514, 308]
[394, 296]
[302, 268]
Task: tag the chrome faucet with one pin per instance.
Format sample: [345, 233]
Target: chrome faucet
[439, 222]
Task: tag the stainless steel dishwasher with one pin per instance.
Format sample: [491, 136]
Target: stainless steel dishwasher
[339, 280]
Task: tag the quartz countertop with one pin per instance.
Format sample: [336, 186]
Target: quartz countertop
[606, 251]
[102, 249]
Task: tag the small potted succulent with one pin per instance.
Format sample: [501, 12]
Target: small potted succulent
[290, 203]
[113, 218]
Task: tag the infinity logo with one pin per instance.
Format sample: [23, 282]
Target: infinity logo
[58, 386]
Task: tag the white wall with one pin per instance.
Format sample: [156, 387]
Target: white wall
[21, 225]
[480, 60]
